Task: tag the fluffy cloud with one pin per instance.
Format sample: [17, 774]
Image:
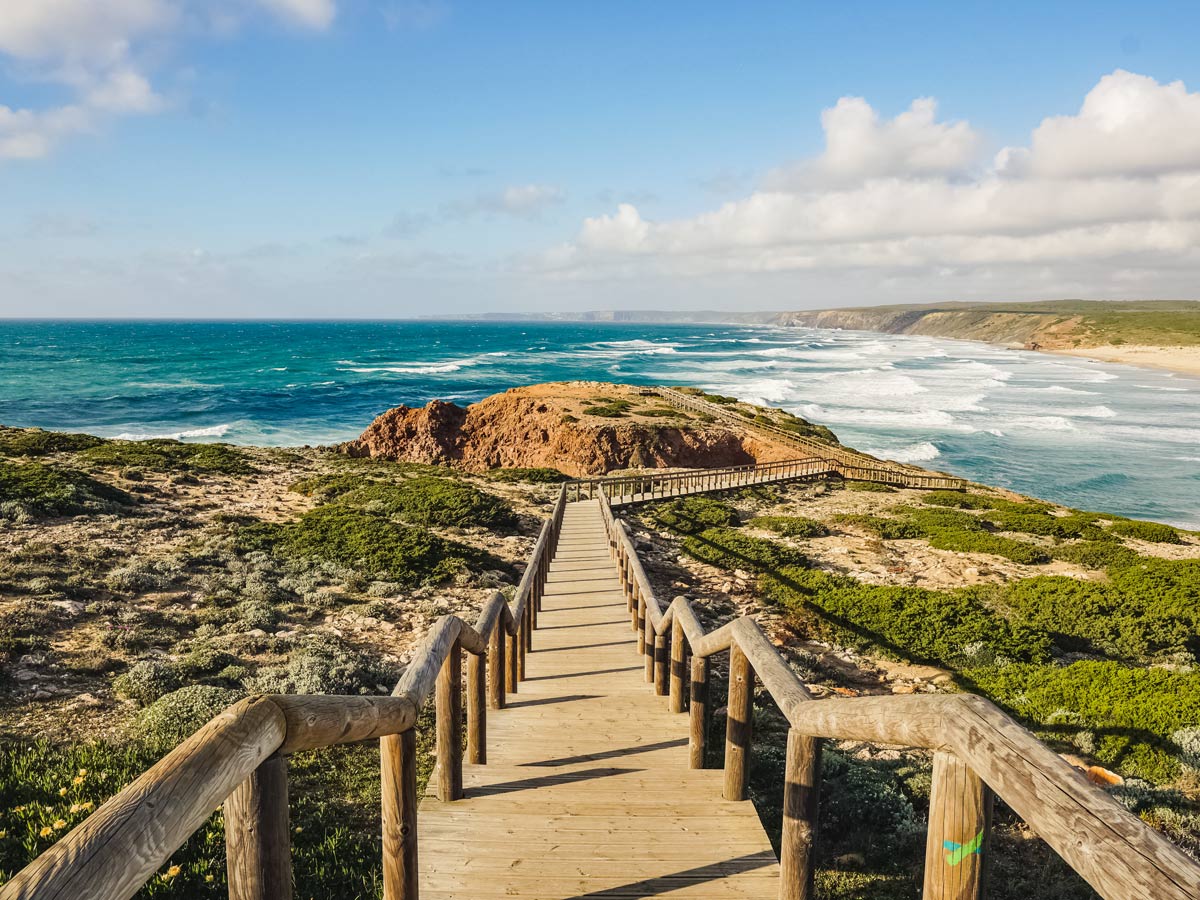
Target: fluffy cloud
[93, 49]
[1116, 186]
[317, 14]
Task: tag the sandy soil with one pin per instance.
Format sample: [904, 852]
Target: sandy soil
[1185, 360]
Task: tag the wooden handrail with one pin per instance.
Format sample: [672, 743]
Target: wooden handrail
[236, 758]
[977, 749]
[850, 463]
[624, 490]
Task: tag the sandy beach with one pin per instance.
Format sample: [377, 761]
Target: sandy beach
[1185, 360]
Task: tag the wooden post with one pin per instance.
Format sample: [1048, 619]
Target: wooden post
[647, 643]
[698, 719]
[678, 666]
[528, 627]
[476, 709]
[522, 642]
[738, 724]
[801, 802]
[449, 726]
[661, 664]
[258, 846]
[511, 662]
[496, 666]
[960, 817]
[640, 622]
[398, 769]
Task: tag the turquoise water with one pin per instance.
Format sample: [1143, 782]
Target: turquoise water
[1089, 434]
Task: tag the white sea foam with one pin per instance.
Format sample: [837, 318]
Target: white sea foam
[1092, 412]
[211, 431]
[922, 452]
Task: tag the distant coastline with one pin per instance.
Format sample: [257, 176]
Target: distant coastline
[1155, 334]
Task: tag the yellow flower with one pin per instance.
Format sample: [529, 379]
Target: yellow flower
[78, 779]
[62, 792]
[89, 806]
[18, 809]
[75, 807]
[3, 834]
[60, 824]
[173, 871]
[208, 877]
[46, 832]
[298, 829]
[82, 773]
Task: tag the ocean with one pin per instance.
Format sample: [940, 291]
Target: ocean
[1087, 434]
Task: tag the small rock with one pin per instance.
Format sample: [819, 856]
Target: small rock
[256, 632]
[25, 675]
[70, 607]
[88, 700]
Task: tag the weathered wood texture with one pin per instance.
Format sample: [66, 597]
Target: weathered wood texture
[587, 791]
[801, 801]
[398, 775]
[960, 816]
[258, 846]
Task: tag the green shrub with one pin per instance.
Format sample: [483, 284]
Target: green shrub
[1096, 554]
[608, 409]
[1146, 531]
[327, 487]
[664, 412]
[728, 548]
[939, 518]
[957, 500]
[869, 487]
[889, 529]
[160, 455]
[371, 543]
[205, 661]
[1042, 522]
[791, 526]
[36, 442]
[982, 542]
[147, 680]
[36, 489]
[690, 515]
[429, 500]
[530, 475]
[327, 666]
[1136, 709]
[175, 716]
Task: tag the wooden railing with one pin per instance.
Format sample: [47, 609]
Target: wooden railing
[848, 463]
[239, 758]
[977, 750]
[626, 489]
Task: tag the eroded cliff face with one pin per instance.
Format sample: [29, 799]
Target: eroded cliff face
[548, 425]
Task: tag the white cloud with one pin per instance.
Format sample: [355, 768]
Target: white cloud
[859, 145]
[318, 14]
[95, 49]
[1113, 189]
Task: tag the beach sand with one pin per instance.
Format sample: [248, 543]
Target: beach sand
[1185, 360]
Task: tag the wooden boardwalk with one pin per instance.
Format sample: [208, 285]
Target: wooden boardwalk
[587, 791]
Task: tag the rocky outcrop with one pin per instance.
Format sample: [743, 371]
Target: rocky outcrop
[534, 426]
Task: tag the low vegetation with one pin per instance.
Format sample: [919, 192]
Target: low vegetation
[535, 475]
[170, 456]
[34, 489]
[791, 526]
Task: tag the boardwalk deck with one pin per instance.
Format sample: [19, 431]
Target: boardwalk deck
[587, 791]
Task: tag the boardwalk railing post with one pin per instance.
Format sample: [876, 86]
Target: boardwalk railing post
[512, 660]
[698, 714]
[449, 725]
[648, 641]
[398, 770]
[257, 841]
[495, 666]
[661, 664]
[477, 709]
[801, 799]
[738, 724]
[960, 817]
[678, 665]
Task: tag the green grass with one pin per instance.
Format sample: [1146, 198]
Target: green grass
[947, 529]
[688, 515]
[607, 408]
[881, 526]
[36, 442]
[37, 489]
[365, 541]
[529, 475]
[429, 500]
[1096, 554]
[1146, 531]
[791, 526]
[171, 456]
[869, 487]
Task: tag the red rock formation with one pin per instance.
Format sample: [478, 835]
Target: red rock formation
[534, 427]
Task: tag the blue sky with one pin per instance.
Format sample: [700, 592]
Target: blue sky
[355, 157]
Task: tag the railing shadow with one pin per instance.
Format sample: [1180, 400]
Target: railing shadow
[663, 884]
[609, 754]
[541, 781]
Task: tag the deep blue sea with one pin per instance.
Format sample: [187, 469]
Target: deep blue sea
[1093, 435]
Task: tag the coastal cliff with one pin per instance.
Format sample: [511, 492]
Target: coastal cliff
[580, 428]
